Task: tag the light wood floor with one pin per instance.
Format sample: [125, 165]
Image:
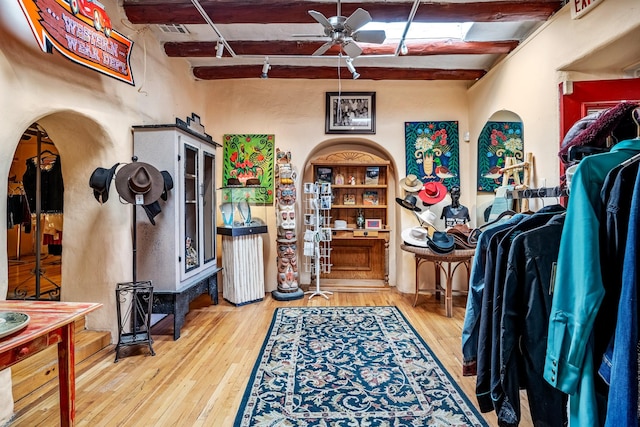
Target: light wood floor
[199, 379]
[22, 277]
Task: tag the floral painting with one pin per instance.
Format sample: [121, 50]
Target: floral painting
[250, 157]
[432, 151]
[497, 141]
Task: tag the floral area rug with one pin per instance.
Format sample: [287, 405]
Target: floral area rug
[350, 366]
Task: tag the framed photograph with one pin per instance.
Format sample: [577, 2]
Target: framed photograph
[349, 199]
[375, 224]
[350, 112]
[324, 175]
[371, 175]
[370, 198]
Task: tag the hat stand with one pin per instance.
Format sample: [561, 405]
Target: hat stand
[134, 303]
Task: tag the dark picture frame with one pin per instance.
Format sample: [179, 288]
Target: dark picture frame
[350, 112]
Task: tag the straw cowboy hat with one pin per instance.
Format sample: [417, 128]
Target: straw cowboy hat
[432, 192]
[411, 183]
[140, 179]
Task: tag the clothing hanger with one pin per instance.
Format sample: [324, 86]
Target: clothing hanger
[636, 157]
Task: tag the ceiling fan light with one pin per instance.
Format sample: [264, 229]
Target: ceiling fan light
[350, 65]
[219, 49]
[403, 48]
[265, 69]
[352, 68]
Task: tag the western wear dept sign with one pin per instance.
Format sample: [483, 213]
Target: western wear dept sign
[80, 30]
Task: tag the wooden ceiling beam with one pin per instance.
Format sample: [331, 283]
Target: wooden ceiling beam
[280, 12]
[366, 73]
[280, 47]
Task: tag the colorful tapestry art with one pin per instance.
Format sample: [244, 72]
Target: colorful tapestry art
[497, 141]
[432, 151]
[250, 158]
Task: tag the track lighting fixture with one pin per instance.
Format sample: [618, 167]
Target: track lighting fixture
[219, 49]
[351, 68]
[403, 48]
[265, 68]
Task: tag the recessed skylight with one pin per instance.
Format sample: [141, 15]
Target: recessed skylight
[422, 30]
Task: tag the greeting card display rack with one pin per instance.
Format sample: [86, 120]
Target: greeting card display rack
[317, 235]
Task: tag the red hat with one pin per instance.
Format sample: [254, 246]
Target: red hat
[432, 192]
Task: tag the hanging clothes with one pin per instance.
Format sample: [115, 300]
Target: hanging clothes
[471, 325]
[51, 185]
[525, 319]
[488, 383]
[578, 292]
[622, 407]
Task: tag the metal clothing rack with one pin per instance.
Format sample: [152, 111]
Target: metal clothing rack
[38, 272]
[531, 193]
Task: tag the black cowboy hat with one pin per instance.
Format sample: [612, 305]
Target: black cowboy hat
[100, 181]
[409, 202]
[441, 242]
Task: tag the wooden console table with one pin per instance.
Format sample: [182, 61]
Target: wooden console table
[51, 323]
[453, 260]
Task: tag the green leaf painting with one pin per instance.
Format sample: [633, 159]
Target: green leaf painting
[497, 141]
[250, 157]
[432, 151]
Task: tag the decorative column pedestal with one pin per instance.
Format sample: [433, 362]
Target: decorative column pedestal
[287, 260]
[243, 269]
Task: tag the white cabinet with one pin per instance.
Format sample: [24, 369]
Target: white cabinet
[178, 253]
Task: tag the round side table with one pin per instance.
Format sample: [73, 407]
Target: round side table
[453, 260]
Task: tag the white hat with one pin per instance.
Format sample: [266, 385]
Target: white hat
[428, 217]
[411, 184]
[416, 236]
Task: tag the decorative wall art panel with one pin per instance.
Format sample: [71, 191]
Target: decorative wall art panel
[248, 159]
[432, 151]
[497, 141]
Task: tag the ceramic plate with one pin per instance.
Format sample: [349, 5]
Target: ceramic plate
[11, 322]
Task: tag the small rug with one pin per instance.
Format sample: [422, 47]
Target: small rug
[350, 366]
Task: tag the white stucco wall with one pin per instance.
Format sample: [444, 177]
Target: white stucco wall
[89, 116]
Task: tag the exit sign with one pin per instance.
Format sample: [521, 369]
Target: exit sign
[579, 8]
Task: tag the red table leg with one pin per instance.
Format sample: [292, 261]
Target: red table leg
[66, 376]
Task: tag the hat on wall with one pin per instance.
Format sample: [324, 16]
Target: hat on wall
[432, 192]
[139, 179]
[409, 202]
[100, 181]
[415, 236]
[411, 183]
[168, 184]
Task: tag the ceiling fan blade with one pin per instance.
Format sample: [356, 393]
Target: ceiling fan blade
[351, 49]
[370, 36]
[357, 19]
[322, 49]
[321, 19]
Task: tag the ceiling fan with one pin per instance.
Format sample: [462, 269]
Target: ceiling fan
[344, 32]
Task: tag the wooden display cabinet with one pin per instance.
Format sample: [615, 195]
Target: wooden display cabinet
[359, 183]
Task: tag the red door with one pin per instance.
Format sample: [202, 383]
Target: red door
[595, 94]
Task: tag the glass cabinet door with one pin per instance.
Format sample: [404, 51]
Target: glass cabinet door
[209, 207]
[191, 201]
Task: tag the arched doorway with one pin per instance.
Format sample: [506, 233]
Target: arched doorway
[34, 218]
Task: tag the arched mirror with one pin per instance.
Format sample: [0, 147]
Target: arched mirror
[501, 138]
